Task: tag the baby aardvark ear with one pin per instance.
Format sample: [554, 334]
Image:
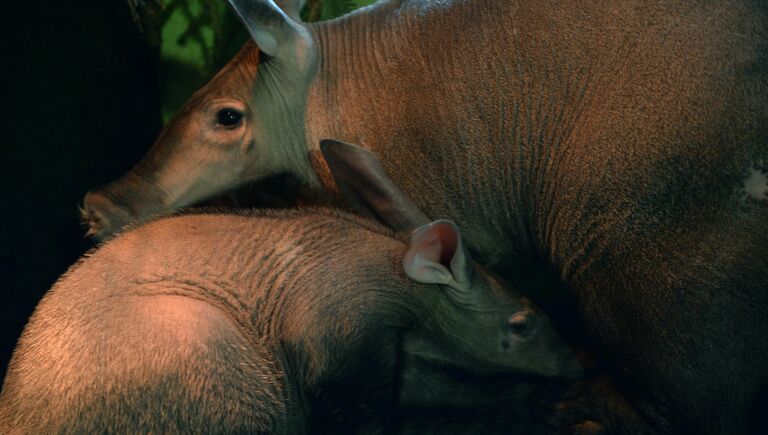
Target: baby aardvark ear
[436, 255]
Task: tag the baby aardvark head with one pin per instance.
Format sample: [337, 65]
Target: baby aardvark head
[474, 321]
[482, 325]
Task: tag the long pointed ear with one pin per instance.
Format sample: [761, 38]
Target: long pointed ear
[292, 7]
[436, 255]
[367, 188]
[274, 31]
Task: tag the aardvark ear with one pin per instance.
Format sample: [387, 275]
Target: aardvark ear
[274, 31]
[436, 255]
[367, 188]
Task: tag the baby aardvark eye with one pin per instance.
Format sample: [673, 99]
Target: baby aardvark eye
[229, 117]
[518, 323]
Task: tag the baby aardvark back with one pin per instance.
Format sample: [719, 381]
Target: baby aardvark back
[270, 322]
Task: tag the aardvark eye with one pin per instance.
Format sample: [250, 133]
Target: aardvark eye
[229, 117]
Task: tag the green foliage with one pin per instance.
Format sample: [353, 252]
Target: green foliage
[195, 38]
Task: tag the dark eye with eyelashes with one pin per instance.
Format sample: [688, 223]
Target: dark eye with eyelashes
[229, 118]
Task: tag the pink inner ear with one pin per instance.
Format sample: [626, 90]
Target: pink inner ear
[448, 243]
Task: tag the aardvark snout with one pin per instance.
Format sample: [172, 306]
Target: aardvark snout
[102, 216]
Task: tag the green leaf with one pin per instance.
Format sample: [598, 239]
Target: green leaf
[336, 8]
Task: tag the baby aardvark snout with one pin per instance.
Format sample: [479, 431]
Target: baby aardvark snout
[531, 332]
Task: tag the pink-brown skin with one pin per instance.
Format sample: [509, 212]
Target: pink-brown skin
[280, 322]
[625, 143]
[268, 322]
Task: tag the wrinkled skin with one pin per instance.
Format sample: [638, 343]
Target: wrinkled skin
[279, 322]
[623, 144]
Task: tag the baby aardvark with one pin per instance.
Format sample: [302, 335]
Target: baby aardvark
[266, 322]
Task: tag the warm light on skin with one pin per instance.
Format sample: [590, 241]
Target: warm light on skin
[616, 152]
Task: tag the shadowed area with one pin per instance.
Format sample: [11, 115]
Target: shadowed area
[80, 107]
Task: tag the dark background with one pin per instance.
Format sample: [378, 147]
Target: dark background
[79, 106]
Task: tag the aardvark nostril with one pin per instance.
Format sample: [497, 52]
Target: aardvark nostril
[95, 215]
